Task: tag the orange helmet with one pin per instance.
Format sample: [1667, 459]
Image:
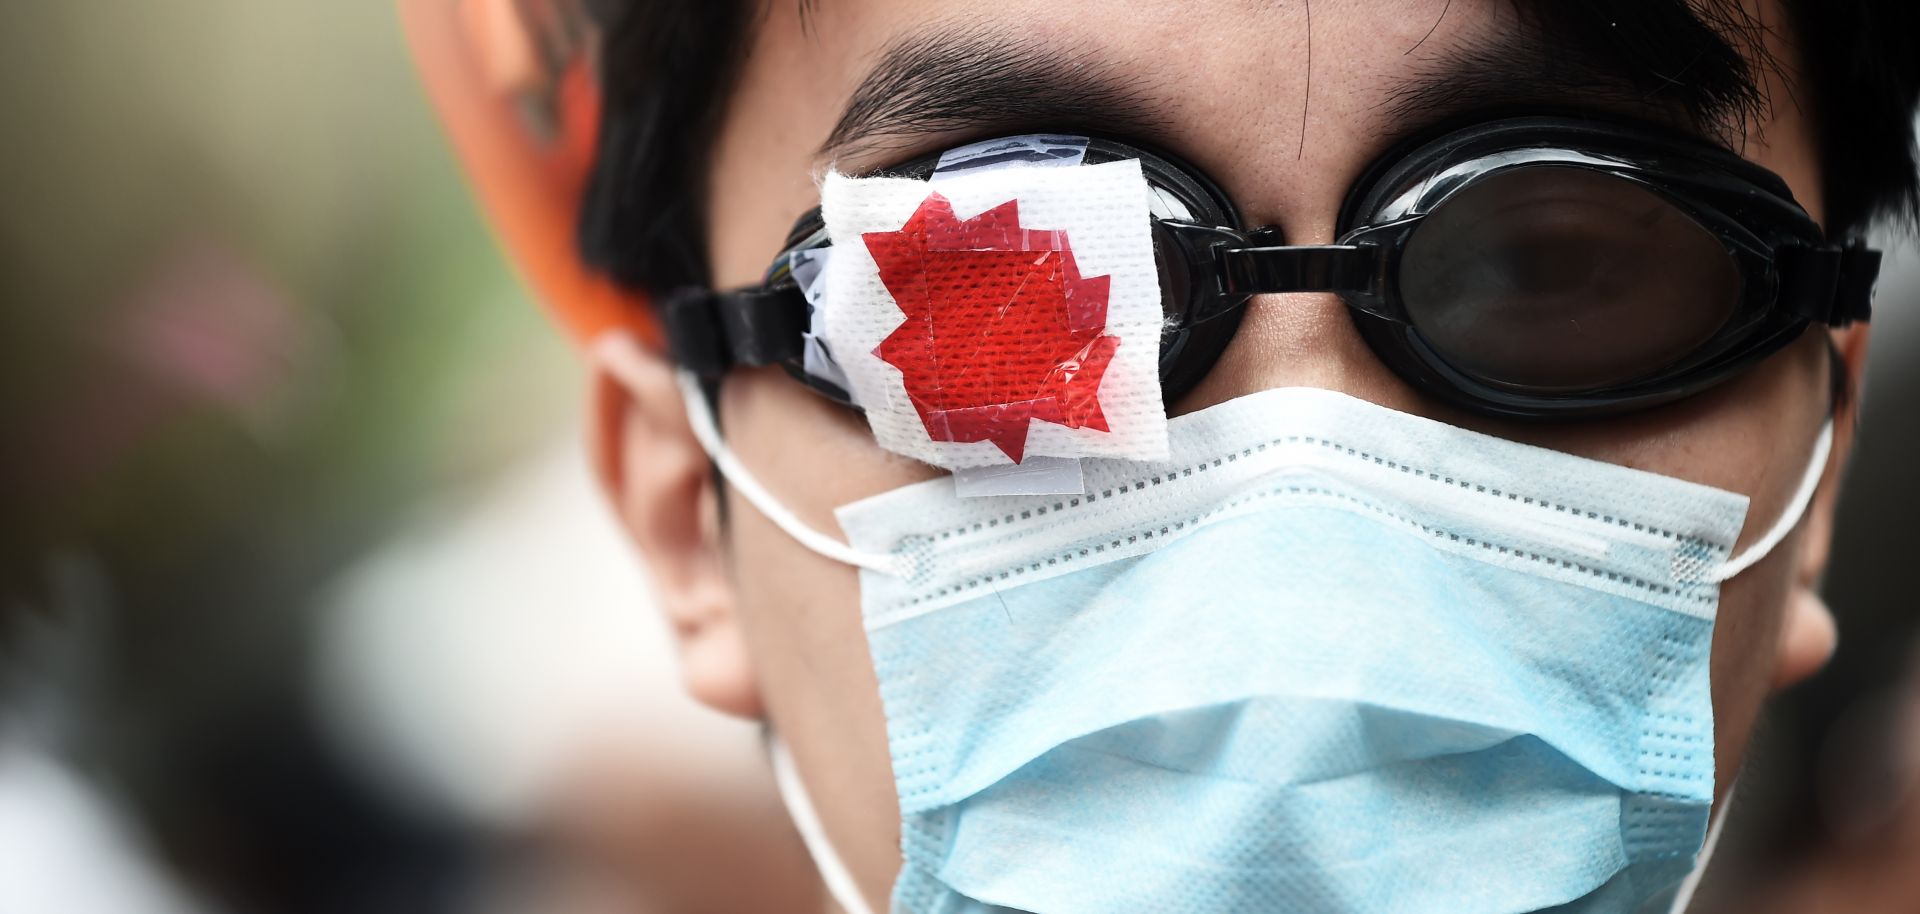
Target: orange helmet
[516, 87]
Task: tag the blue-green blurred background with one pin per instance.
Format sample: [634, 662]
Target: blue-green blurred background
[259, 361]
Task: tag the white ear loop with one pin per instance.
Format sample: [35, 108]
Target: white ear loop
[1816, 468]
[619, 353]
[1688, 886]
[833, 871]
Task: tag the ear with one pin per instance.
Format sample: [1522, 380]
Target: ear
[663, 490]
[1808, 635]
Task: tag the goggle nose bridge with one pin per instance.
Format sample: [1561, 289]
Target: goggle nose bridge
[1356, 268]
[1213, 270]
[1348, 269]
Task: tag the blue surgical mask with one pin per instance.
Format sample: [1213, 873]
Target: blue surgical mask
[1330, 657]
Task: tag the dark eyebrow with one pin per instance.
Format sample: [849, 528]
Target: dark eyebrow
[946, 79]
[1667, 65]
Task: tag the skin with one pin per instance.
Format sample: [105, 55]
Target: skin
[770, 631]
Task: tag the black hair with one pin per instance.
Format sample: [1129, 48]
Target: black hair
[669, 66]
[667, 69]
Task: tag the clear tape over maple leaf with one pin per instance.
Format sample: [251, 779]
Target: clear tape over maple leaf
[1001, 329]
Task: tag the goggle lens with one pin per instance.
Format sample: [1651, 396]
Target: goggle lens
[1553, 277]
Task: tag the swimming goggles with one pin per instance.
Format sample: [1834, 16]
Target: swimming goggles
[1529, 267]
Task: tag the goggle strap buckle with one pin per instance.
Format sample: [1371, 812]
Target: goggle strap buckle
[1831, 285]
[1853, 292]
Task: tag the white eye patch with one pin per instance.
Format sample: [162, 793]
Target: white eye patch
[998, 314]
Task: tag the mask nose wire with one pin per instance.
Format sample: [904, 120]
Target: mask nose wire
[1816, 468]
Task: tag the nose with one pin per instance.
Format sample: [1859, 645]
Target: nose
[1301, 340]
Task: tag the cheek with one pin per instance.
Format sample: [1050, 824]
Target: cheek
[1753, 436]
[800, 612]
[1746, 636]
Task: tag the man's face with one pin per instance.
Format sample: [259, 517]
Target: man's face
[1284, 109]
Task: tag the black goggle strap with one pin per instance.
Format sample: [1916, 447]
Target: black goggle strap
[709, 332]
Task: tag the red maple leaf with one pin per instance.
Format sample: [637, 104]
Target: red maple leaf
[1001, 328]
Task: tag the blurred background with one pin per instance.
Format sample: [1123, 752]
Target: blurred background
[307, 602]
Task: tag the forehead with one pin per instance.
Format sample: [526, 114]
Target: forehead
[1283, 103]
[1231, 65]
